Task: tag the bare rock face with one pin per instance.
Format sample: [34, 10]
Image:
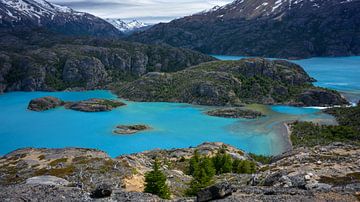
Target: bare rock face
[47, 180]
[88, 70]
[44, 103]
[94, 105]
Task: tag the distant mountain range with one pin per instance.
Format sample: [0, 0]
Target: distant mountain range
[271, 28]
[128, 27]
[16, 15]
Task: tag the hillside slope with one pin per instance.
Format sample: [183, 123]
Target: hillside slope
[271, 28]
[232, 83]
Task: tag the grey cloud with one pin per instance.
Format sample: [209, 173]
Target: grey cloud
[150, 11]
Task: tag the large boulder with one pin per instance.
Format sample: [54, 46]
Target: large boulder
[217, 191]
[101, 191]
[44, 103]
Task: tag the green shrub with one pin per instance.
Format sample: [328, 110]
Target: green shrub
[244, 166]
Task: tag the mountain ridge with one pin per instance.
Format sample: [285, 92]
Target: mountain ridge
[275, 28]
[18, 15]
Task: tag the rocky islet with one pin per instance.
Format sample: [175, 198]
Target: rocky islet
[131, 129]
[90, 105]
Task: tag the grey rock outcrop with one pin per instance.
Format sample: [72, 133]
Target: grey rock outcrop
[214, 192]
[86, 70]
[319, 97]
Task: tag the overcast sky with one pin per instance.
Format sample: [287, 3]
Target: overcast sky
[151, 11]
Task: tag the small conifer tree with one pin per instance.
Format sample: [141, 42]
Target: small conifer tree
[155, 182]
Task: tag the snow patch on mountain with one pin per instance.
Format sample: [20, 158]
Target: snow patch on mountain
[126, 26]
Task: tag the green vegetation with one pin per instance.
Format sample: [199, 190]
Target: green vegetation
[261, 158]
[203, 169]
[244, 166]
[311, 134]
[346, 116]
[155, 182]
[348, 130]
[57, 161]
[58, 172]
[222, 162]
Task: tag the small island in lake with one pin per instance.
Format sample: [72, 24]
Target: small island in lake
[90, 105]
[235, 112]
[131, 129]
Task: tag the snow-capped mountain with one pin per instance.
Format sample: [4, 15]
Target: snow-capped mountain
[25, 14]
[270, 28]
[129, 26]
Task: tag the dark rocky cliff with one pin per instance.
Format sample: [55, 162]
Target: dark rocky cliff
[39, 60]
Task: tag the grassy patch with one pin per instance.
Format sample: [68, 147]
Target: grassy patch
[58, 172]
[339, 181]
[261, 158]
[58, 161]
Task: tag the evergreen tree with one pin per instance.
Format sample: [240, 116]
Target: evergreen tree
[194, 163]
[155, 182]
[222, 162]
[203, 172]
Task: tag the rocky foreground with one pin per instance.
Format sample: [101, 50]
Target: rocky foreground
[321, 173]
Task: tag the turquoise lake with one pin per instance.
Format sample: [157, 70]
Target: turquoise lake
[175, 125]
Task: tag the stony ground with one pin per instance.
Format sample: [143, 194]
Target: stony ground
[323, 173]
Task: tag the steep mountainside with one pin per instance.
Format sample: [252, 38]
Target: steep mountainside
[43, 61]
[233, 83]
[20, 15]
[271, 28]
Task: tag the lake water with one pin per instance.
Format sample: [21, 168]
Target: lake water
[175, 125]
